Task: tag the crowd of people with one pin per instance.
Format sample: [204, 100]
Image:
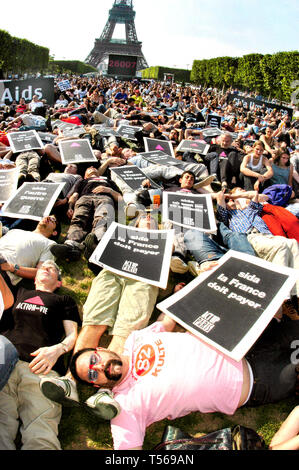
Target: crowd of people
[151, 370]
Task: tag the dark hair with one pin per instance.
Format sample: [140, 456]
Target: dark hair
[57, 229]
[277, 156]
[188, 172]
[73, 368]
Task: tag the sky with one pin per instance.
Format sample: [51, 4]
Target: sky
[173, 33]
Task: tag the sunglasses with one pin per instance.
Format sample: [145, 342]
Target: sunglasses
[93, 374]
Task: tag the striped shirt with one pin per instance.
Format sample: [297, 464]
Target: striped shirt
[243, 221]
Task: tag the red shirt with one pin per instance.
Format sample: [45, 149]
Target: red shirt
[4, 139]
[72, 120]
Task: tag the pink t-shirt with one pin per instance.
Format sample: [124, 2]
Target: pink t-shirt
[171, 375]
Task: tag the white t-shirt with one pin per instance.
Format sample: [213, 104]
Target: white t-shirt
[25, 248]
[170, 376]
[32, 120]
[35, 104]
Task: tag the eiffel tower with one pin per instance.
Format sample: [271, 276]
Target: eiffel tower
[121, 13]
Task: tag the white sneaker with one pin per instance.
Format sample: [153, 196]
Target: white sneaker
[103, 405]
[177, 265]
[131, 211]
[62, 390]
[194, 268]
[206, 181]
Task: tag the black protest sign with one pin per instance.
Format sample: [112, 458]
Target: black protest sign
[131, 175]
[159, 158]
[76, 151]
[24, 141]
[74, 132]
[47, 137]
[211, 132]
[8, 183]
[214, 120]
[253, 103]
[156, 144]
[136, 253]
[105, 131]
[128, 132]
[194, 146]
[189, 210]
[32, 200]
[64, 126]
[16, 89]
[230, 306]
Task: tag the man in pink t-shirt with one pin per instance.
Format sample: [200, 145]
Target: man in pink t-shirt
[165, 374]
[162, 374]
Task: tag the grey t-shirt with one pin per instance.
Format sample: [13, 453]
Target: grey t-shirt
[66, 178]
[25, 249]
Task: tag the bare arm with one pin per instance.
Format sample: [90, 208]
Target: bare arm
[269, 173]
[287, 437]
[295, 175]
[290, 181]
[23, 271]
[45, 358]
[104, 189]
[267, 147]
[221, 199]
[6, 294]
[168, 323]
[115, 161]
[246, 171]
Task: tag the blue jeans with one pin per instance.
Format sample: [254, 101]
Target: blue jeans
[8, 359]
[40, 127]
[202, 247]
[235, 241]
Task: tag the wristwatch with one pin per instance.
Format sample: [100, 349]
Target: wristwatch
[16, 268]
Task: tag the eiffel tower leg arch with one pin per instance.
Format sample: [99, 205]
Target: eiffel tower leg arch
[121, 13]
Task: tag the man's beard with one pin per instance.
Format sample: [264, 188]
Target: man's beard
[113, 376]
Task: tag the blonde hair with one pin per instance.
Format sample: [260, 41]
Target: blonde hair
[258, 143]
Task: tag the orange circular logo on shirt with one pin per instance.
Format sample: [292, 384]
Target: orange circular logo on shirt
[145, 360]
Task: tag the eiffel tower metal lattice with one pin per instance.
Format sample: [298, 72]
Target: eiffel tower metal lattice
[122, 12]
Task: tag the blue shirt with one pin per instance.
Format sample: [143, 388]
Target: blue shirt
[242, 221]
[121, 96]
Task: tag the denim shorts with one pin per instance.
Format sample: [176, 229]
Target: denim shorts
[8, 359]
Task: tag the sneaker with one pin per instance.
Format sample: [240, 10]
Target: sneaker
[194, 268]
[21, 179]
[224, 185]
[216, 185]
[33, 177]
[65, 252]
[206, 181]
[103, 405]
[177, 265]
[131, 211]
[89, 245]
[289, 310]
[61, 390]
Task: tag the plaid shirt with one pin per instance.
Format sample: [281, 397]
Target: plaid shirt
[242, 221]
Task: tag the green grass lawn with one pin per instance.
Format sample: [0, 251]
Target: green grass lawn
[80, 431]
